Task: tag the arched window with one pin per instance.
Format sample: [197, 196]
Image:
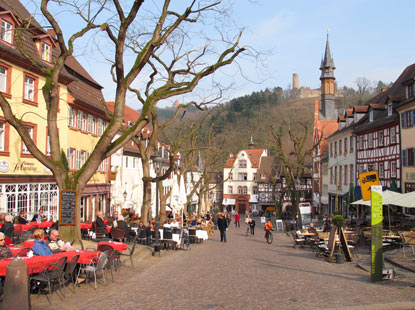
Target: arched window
[239, 189]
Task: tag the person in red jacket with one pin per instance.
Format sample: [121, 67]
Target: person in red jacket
[237, 218]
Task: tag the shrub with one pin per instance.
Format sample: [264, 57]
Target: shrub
[338, 220]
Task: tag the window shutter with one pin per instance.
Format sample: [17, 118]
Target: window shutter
[413, 117]
[403, 120]
[405, 158]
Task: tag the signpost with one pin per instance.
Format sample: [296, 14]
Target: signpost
[368, 179]
[376, 245]
[67, 210]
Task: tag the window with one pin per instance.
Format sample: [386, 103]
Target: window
[242, 163]
[45, 51]
[30, 130]
[408, 115]
[390, 109]
[126, 162]
[335, 175]
[370, 140]
[100, 127]
[255, 190]
[230, 176]
[335, 149]
[403, 119]
[6, 31]
[405, 158]
[351, 174]
[2, 135]
[81, 121]
[410, 91]
[230, 190]
[351, 144]
[72, 117]
[331, 149]
[361, 142]
[92, 124]
[245, 190]
[345, 145]
[393, 135]
[331, 175]
[3, 79]
[382, 170]
[371, 116]
[239, 189]
[242, 176]
[255, 176]
[263, 176]
[80, 159]
[345, 175]
[393, 169]
[29, 88]
[380, 138]
[71, 155]
[340, 147]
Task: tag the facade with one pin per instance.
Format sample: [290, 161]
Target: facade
[25, 184]
[341, 165]
[240, 175]
[216, 191]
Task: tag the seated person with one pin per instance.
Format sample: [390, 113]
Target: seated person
[8, 222]
[2, 216]
[39, 217]
[121, 224]
[4, 249]
[100, 226]
[21, 219]
[40, 248]
[56, 245]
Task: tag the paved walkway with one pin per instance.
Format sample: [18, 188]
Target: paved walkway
[244, 273]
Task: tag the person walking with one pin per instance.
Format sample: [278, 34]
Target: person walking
[251, 224]
[237, 218]
[222, 225]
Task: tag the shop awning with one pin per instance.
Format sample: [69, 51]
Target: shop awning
[228, 202]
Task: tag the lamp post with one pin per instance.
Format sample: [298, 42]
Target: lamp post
[157, 165]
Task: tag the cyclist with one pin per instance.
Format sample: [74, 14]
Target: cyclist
[268, 227]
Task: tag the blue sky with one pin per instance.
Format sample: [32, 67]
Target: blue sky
[368, 38]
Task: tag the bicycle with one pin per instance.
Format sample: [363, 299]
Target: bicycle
[269, 236]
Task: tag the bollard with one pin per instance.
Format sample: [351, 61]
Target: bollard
[16, 287]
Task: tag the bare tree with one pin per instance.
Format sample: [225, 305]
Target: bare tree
[363, 86]
[157, 55]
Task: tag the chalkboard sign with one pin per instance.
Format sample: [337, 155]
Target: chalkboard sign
[67, 210]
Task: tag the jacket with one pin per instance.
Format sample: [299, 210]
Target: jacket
[5, 226]
[41, 249]
[222, 224]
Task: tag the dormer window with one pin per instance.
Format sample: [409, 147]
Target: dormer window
[371, 116]
[6, 31]
[411, 91]
[390, 109]
[45, 51]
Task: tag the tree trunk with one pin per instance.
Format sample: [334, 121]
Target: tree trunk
[146, 193]
[69, 233]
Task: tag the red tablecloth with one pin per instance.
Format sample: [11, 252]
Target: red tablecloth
[29, 243]
[84, 256]
[23, 227]
[15, 250]
[44, 224]
[118, 246]
[86, 225]
[108, 228]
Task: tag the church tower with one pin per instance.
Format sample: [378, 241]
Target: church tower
[328, 88]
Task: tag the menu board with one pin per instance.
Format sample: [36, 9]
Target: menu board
[67, 210]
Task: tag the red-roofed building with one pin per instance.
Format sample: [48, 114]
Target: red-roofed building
[240, 191]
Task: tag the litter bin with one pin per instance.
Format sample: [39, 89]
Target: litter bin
[339, 258]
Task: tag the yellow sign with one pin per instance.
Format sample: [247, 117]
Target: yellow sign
[271, 209]
[368, 179]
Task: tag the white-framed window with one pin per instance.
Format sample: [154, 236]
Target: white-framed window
[81, 121]
[3, 79]
[245, 190]
[390, 109]
[45, 51]
[2, 135]
[29, 88]
[100, 127]
[72, 117]
[48, 144]
[230, 189]
[80, 158]
[71, 155]
[92, 124]
[381, 170]
[126, 161]
[242, 163]
[351, 144]
[340, 148]
[345, 145]
[393, 135]
[411, 91]
[380, 138]
[25, 150]
[371, 116]
[393, 169]
[370, 140]
[6, 31]
[230, 176]
[345, 175]
[239, 190]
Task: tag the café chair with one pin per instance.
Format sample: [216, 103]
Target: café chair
[117, 234]
[69, 272]
[130, 253]
[9, 232]
[17, 233]
[49, 275]
[100, 264]
[168, 239]
[113, 258]
[23, 252]
[141, 236]
[408, 240]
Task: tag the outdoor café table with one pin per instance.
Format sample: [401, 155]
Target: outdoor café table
[175, 237]
[86, 225]
[15, 249]
[31, 262]
[118, 246]
[44, 224]
[29, 243]
[24, 227]
[84, 256]
[202, 234]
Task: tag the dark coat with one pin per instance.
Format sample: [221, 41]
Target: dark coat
[124, 227]
[100, 226]
[21, 220]
[5, 226]
[222, 223]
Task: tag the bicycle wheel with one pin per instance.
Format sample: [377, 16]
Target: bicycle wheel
[269, 239]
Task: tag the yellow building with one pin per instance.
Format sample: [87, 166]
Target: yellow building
[25, 184]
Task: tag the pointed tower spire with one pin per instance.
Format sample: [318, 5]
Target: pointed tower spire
[327, 64]
[251, 143]
[328, 86]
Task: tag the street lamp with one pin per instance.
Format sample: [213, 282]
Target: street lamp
[157, 166]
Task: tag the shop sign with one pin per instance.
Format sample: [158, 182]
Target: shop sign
[4, 166]
[25, 166]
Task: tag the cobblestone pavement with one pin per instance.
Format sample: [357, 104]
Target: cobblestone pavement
[244, 273]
